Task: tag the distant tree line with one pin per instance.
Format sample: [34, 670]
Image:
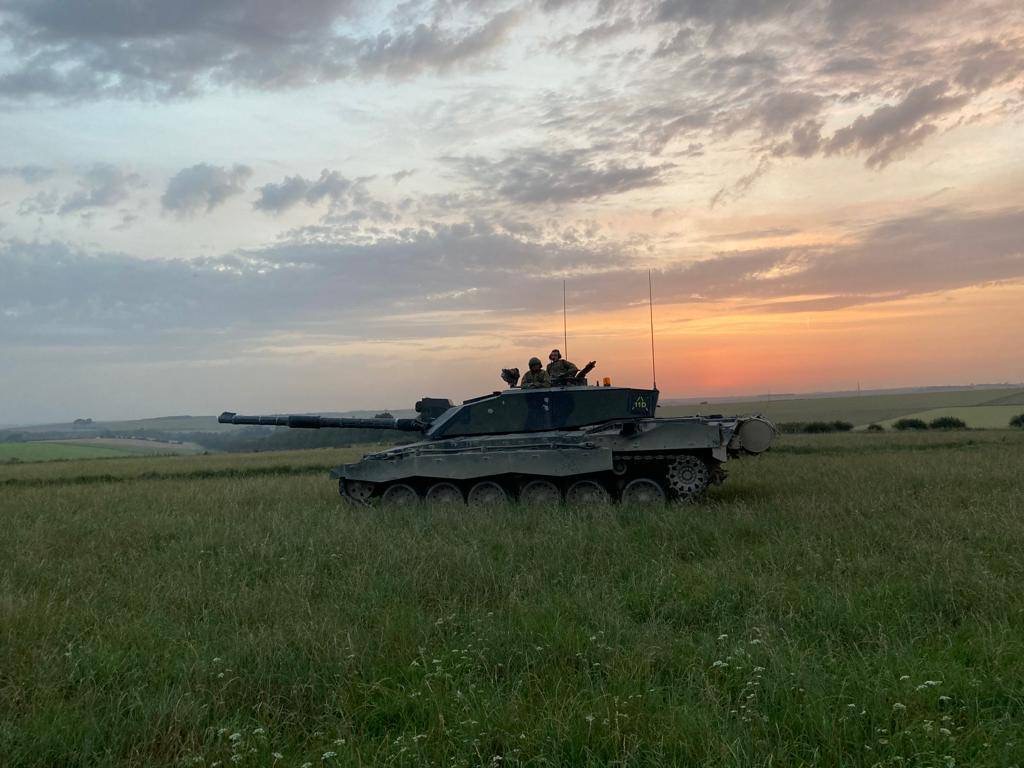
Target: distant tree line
[813, 427]
[236, 440]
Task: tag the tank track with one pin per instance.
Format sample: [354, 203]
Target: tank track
[635, 479]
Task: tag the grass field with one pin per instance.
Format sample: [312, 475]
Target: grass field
[90, 448]
[860, 411]
[845, 600]
[51, 451]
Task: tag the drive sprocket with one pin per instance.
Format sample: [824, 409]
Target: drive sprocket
[688, 477]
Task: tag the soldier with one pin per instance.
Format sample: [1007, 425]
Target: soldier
[560, 370]
[536, 376]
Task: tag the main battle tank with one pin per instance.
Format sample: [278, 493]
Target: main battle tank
[581, 444]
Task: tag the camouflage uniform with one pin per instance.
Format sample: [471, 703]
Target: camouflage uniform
[561, 370]
[532, 379]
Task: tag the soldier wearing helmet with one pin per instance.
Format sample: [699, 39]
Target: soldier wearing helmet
[536, 376]
[560, 370]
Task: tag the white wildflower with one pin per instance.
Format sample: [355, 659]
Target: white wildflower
[723, 637]
[897, 707]
[904, 677]
[589, 718]
[276, 755]
[328, 755]
[339, 741]
[719, 663]
[258, 731]
[235, 736]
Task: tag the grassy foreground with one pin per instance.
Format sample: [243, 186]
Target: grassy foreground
[844, 600]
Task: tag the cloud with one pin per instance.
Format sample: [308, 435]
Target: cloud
[101, 186]
[934, 250]
[891, 131]
[30, 174]
[152, 49]
[203, 187]
[534, 176]
[429, 47]
[990, 62]
[55, 295]
[742, 185]
[332, 186]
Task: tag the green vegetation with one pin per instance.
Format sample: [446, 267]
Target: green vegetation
[813, 427]
[91, 448]
[875, 428]
[947, 422]
[844, 600]
[975, 417]
[52, 451]
[904, 424]
[1017, 421]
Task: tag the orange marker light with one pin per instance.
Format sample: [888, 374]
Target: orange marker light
[607, 381]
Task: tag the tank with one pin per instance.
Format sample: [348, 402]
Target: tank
[574, 444]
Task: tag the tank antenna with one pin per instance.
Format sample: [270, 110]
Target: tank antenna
[565, 326]
[650, 304]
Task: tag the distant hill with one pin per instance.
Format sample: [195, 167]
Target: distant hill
[859, 410]
[168, 424]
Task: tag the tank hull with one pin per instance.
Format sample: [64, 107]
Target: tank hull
[610, 455]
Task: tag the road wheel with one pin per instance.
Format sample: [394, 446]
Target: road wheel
[487, 494]
[444, 494]
[356, 490]
[643, 492]
[540, 493]
[688, 477]
[585, 492]
[400, 495]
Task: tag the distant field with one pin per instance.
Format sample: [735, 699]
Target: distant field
[90, 448]
[975, 417]
[48, 451]
[843, 600]
[133, 446]
[860, 411]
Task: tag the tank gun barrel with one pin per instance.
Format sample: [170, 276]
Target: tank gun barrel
[302, 421]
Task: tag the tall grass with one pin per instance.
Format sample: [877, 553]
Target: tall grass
[845, 600]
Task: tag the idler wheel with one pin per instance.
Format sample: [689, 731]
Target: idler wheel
[587, 492]
[487, 494]
[540, 493]
[400, 495]
[643, 492]
[444, 494]
[688, 477]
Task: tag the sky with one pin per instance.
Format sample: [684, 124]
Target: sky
[334, 204]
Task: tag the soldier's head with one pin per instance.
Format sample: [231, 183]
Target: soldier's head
[535, 363]
[555, 355]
